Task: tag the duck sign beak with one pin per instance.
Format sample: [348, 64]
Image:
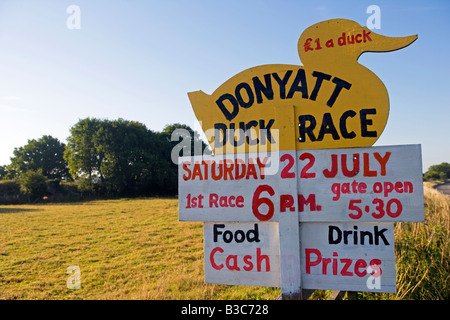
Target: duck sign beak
[380, 43]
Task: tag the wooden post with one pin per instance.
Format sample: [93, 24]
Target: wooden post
[336, 295]
[289, 228]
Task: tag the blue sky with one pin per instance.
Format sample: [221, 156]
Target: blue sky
[138, 59]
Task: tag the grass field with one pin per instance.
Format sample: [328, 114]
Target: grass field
[137, 249]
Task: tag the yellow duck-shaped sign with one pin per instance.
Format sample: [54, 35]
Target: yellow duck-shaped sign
[336, 102]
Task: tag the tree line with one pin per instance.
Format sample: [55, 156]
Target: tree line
[438, 172]
[102, 158]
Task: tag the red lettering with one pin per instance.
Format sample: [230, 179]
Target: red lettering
[318, 47]
[348, 263]
[387, 187]
[233, 261]
[251, 170]
[366, 36]
[185, 168]
[360, 263]
[261, 166]
[206, 163]
[310, 263]
[248, 261]
[329, 43]
[408, 187]
[240, 201]
[211, 258]
[257, 201]
[314, 258]
[230, 201]
[239, 175]
[223, 202]
[285, 174]
[382, 161]
[367, 171]
[286, 201]
[259, 259]
[234, 266]
[304, 174]
[331, 173]
[373, 263]
[228, 169]
[355, 169]
[307, 45]
[336, 189]
[214, 175]
[213, 197]
[311, 201]
[197, 171]
[398, 187]
[335, 271]
[325, 262]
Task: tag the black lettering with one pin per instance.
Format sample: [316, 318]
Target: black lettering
[217, 128]
[366, 234]
[253, 234]
[327, 128]
[250, 95]
[367, 122]
[228, 115]
[355, 235]
[282, 83]
[216, 232]
[248, 132]
[343, 124]
[320, 77]
[346, 234]
[334, 235]
[227, 236]
[265, 89]
[337, 90]
[380, 234]
[306, 130]
[232, 134]
[239, 236]
[299, 78]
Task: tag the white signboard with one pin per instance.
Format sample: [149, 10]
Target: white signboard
[242, 253]
[344, 200]
[223, 188]
[348, 256]
[361, 184]
[355, 184]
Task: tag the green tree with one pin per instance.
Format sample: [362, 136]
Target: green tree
[179, 140]
[3, 172]
[45, 153]
[118, 157]
[431, 175]
[33, 184]
[184, 141]
[82, 152]
[438, 171]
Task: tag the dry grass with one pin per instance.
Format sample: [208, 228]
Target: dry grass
[422, 252]
[126, 249]
[137, 249]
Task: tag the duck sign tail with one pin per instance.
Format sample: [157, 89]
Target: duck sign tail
[335, 101]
